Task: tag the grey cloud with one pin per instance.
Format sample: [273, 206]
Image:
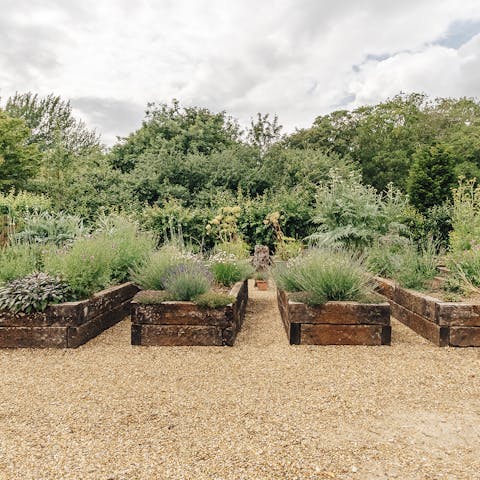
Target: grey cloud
[111, 116]
[27, 50]
[297, 58]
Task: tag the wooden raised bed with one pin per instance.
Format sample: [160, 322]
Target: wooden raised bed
[185, 323]
[335, 323]
[454, 324]
[69, 324]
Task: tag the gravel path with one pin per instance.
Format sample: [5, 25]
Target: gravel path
[260, 410]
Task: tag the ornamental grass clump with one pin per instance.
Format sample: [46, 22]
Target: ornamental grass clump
[464, 256]
[186, 281]
[414, 266]
[325, 275]
[33, 293]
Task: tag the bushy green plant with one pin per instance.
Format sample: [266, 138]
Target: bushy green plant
[150, 275]
[325, 275]
[228, 270]
[131, 246]
[186, 281]
[465, 216]
[15, 204]
[465, 266]
[18, 260]
[351, 214]
[431, 176]
[86, 266]
[33, 293]
[261, 275]
[238, 248]
[213, 299]
[46, 227]
[381, 256]
[414, 266]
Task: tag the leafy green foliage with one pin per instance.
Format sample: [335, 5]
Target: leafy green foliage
[131, 246]
[382, 139]
[50, 121]
[19, 160]
[465, 216]
[33, 293]
[49, 228]
[19, 203]
[431, 177]
[464, 255]
[86, 266]
[411, 265]
[173, 128]
[18, 260]
[325, 275]
[228, 270]
[352, 214]
[150, 274]
[105, 258]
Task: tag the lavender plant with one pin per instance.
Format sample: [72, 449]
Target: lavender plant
[186, 281]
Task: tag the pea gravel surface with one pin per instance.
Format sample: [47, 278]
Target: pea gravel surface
[260, 410]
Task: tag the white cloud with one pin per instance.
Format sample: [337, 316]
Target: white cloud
[296, 58]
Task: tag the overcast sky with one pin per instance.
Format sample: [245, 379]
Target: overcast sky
[295, 58]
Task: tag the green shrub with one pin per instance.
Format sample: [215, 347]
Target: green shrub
[131, 246]
[18, 260]
[414, 267]
[15, 204]
[86, 266]
[45, 227]
[33, 293]
[350, 214]
[228, 270]
[381, 256]
[213, 299]
[186, 281]
[325, 275]
[261, 275]
[288, 248]
[151, 274]
[465, 216]
[238, 248]
[465, 267]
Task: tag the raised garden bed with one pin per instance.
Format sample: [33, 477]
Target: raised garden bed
[186, 323]
[335, 323]
[69, 324]
[454, 324]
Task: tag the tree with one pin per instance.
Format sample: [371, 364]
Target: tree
[431, 177]
[50, 120]
[174, 129]
[18, 159]
[263, 132]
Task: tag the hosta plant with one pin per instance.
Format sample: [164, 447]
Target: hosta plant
[33, 293]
